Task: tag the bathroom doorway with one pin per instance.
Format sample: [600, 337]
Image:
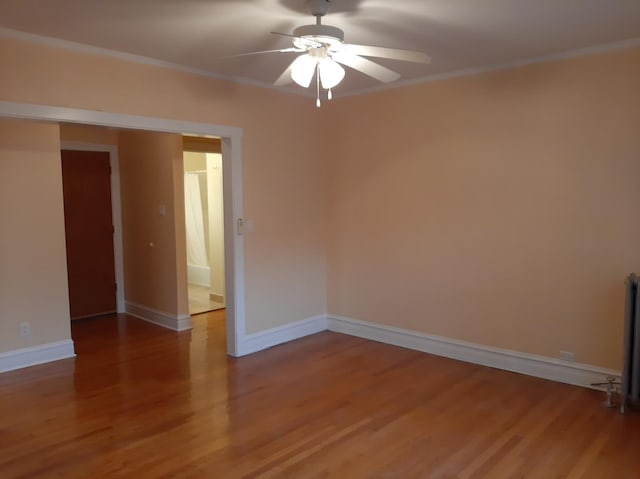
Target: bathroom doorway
[204, 223]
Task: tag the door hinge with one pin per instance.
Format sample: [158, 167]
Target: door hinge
[116, 286]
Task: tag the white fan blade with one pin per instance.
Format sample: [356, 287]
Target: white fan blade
[365, 66]
[307, 41]
[282, 50]
[285, 77]
[392, 53]
[284, 34]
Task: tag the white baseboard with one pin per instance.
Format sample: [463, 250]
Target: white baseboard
[166, 320]
[200, 275]
[530, 364]
[44, 353]
[252, 343]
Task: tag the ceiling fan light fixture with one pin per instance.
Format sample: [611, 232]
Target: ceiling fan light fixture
[324, 53]
[302, 70]
[331, 73]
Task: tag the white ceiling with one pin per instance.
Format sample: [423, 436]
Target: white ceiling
[457, 34]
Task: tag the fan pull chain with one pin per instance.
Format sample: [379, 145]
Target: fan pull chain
[318, 86]
[329, 95]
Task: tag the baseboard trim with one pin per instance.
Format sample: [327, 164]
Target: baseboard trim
[160, 318]
[44, 353]
[532, 365]
[252, 343]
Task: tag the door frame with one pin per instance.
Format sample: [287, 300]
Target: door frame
[232, 187]
[116, 211]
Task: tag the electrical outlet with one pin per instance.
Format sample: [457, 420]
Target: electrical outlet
[567, 356]
[25, 329]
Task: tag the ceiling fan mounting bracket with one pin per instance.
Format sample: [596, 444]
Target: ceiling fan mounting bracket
[319, 8]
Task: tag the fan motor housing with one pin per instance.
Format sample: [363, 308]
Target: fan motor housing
[319, 32]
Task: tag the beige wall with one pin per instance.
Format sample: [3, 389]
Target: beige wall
[153, 220]
[88, 134]
[500, 209]
[284, 159]
[194, 161]
[33, 268]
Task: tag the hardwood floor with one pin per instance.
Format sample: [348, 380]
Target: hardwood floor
[143, 402]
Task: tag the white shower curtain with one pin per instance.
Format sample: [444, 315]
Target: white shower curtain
[196, 251]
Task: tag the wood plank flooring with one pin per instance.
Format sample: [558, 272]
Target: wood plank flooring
[140, 401]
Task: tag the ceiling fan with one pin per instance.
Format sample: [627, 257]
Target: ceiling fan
[324, 52]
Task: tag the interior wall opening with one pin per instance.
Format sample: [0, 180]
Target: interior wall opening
[204, 223]
[231, 157]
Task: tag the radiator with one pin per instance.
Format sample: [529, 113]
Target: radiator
[630, 381]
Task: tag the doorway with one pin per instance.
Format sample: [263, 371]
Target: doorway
[108, 147]
[86, 180]
[232, 158]
[204, 224]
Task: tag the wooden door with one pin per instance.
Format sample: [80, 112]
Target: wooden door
[86, 179]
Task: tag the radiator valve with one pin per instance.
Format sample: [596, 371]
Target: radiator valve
[612, 386]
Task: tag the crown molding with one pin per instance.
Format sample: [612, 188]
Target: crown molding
[140, 59]
[593, 50]
[130, 57]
